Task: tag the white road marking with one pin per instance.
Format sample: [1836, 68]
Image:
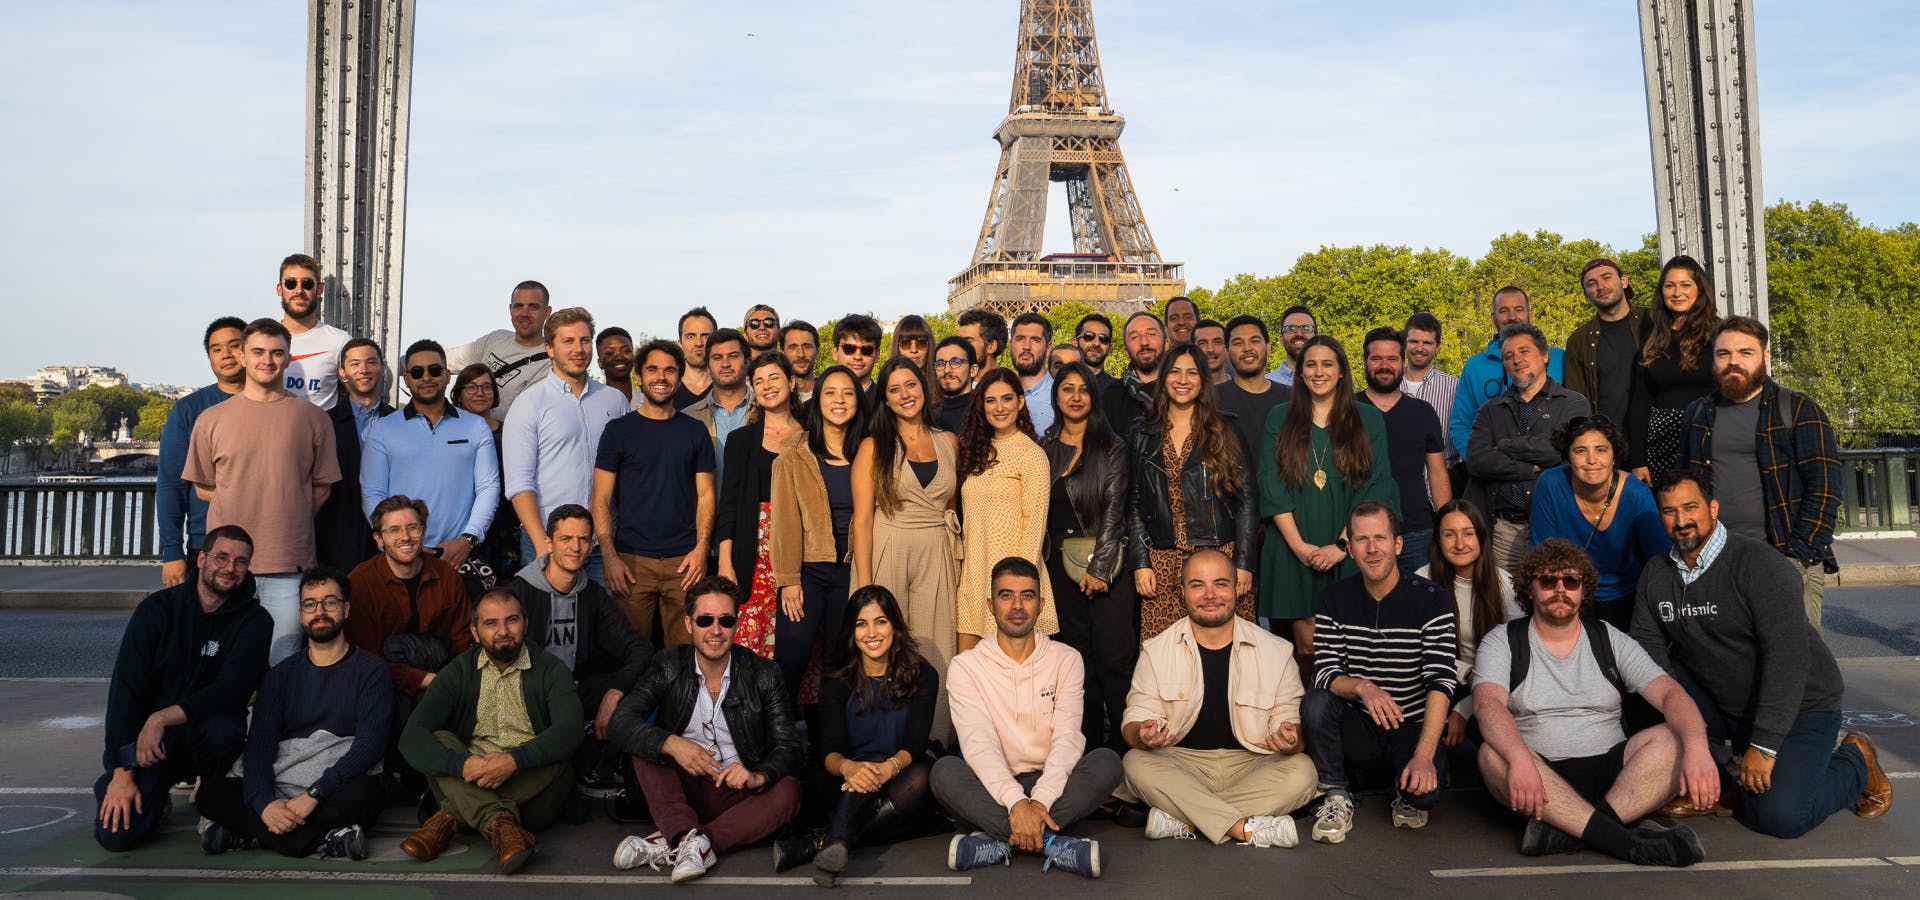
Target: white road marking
[66, 814]
[446, 877]
[45, 790]
[56, 680]
[1734, 865]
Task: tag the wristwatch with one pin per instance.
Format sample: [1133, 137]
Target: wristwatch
[1342, 544]
[314, 792]
[472, 541]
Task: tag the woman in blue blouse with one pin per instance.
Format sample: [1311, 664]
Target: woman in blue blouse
[1596, 505]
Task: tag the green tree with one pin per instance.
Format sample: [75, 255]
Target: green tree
[21, 421]
[74, 414]
[153, 419]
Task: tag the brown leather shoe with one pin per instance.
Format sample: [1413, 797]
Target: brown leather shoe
[1878, 797]
[432, 838]
[1680, 808]
[514, 845]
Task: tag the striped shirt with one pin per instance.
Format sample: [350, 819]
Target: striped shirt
[1404, 644]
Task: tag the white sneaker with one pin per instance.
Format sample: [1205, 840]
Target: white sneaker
[1334, 820]
[693, 857]
[1406, 816]
[635, 851]
[1162, 824]
[1272, 831]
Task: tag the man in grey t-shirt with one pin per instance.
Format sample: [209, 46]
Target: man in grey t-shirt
[1555, 750]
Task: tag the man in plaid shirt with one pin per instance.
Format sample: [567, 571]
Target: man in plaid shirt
[1774, 464]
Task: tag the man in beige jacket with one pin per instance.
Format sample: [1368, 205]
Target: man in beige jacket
[1213, 718]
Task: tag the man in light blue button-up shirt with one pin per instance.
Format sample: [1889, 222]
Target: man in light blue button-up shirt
[433, 452]
[1032, 337]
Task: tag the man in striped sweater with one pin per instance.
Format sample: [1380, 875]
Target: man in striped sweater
[1383, 651]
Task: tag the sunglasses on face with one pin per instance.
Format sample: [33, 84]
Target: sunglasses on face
[434, 371]
[857, 349]
[763, 323]
[1096, 337]
[1567, 582]
[298, 284]
[706, 620]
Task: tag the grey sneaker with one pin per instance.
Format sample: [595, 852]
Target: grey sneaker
[971, 851]
[1272, 831]
[347, 842]
[1334, 820]
[1162, 824]
[1405, 815]
[1655, 844]
[1077, 855]
[1541, 839]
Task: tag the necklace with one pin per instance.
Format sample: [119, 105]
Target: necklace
[1319, 470]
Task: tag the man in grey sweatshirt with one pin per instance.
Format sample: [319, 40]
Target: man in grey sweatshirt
[1722, 614]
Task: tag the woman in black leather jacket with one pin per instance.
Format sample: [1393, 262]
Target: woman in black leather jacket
[1192, 486]
[1088, 499]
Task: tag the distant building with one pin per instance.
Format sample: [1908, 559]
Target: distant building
[52, 381]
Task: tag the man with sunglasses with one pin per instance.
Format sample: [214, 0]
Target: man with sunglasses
[714, 743]
[1094, 335]
[856, 345]
[314, 358]
[191, 656]
[1556, 749]
[340, 527]
[761, 326]
[954, 368]
[437, 454]
[320, 724]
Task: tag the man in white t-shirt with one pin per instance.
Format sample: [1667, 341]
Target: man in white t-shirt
[313, 362]
[515, 357]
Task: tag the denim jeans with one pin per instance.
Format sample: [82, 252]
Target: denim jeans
[1811, 779]
[1414, 546]
[280, 597]
[1340, 734]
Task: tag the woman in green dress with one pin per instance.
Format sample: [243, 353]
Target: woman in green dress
[1322, 454]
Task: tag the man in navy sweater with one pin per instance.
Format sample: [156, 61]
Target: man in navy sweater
[319, 729]
[177, 703]
[182, 514]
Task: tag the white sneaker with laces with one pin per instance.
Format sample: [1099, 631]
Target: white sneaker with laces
[1272, 831]
[1406, 816]
[635, 851]
[693, 857]
[1162, 824]
[1334, 820]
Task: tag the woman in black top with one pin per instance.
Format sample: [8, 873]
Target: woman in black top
[474, 392]
[1088, 500]
[1675, 367]
[812, 509]
[876, 713]
[745, 489]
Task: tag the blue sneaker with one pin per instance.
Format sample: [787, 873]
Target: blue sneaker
[1077, 855]
[970, 851]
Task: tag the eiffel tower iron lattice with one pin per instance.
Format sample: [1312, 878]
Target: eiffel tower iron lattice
[1060, 128]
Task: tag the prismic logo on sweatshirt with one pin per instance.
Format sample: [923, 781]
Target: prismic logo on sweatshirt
[211, 649]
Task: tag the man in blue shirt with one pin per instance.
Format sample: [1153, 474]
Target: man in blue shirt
[1032, 335]
[180, 511]
[433, 452]
[725, 407]
[1484, 377]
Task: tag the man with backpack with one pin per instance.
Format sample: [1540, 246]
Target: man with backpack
[1555, 749]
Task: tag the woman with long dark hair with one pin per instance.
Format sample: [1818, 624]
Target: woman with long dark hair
[1086, 532]
[1323, 454]
[1192, 487]
[1482, 595]
[904, 534]
[876, 717]
[742, 522]
[913, 339]
[812, 514]
[1675, 368]
[474, 392]
[1003, 500]
[1596, 506]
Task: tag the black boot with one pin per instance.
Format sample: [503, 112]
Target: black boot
[797, 850]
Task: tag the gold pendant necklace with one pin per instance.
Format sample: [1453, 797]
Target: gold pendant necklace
[1319, 471]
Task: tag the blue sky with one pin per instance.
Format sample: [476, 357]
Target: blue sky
[835, 156]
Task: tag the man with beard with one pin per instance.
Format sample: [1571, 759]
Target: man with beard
[1032, 336]
[613, 351]
[800, 341]
[760, 326]
[1211, 338]
[1770, 455]
[320, 725]
[1512, 440]
[1718, 612]
[339, 528]
[1416, 452]
[1422, 380]
[437, 454]
[1214, 721]
[1132, 396]
[987, 332]
[1094, 335]
[1557, 752]
[1249, 395]
[191, 656]
[1484, 376]
[1601, 353]
[714, 742]
[1297, 327]
[577, 621]
[653, 500]
[1183, 315]
[954, 368]
[1022, 776]
[696, 328]
[726, 406]
[407, 593]
[313, 360]
[495, 737]
[182, 514]
[548, 442]
[517, 358]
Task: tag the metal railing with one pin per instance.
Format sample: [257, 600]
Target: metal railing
[1879, 489]
[89, 522]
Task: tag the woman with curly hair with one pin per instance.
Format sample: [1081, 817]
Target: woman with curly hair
[1595, 505]
[1004, 481]
[1323, 454]
[1675, 367]
[1191, 488]
[743, 523]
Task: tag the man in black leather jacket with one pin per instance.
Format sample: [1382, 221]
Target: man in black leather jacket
[713, 739]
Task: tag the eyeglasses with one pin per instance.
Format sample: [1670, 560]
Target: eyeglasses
[705, 620]
[398, 530]
[1096, 337]
[955, 363]
[476, 387]
[857, 349]
[1297, 329]
[435, 371]
[332, 604]
[1569, 582]
[296, 284]
[763, 323]
[224, 560]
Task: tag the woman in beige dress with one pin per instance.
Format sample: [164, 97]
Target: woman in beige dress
[1003, 500]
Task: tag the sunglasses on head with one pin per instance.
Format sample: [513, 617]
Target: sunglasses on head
[1568, 582]
[706, 620]
[857, 349]
[298, 284]
[434, 371]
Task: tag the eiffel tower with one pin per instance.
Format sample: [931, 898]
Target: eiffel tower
[1060, 128]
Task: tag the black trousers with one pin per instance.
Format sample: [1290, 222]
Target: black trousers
[357, 802]
[823, 593]
[204, 749]
[1106, 631]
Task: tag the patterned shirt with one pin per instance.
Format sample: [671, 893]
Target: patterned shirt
[501, 722]
[1799, 460]
[1716, 542]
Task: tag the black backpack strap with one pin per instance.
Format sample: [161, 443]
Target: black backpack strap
[1519, 652]
[1603, 653]
[514, 366]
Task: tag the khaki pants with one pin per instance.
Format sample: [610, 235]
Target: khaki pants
[656, 587]
[1813, 593]
[1214, 789]
[536, 797]
[1510, 543]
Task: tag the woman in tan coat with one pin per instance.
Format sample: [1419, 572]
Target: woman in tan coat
[812, 520]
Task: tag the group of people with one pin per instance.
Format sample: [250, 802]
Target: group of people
[855, 603]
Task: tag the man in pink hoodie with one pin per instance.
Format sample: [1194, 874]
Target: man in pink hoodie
[1016, 704]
